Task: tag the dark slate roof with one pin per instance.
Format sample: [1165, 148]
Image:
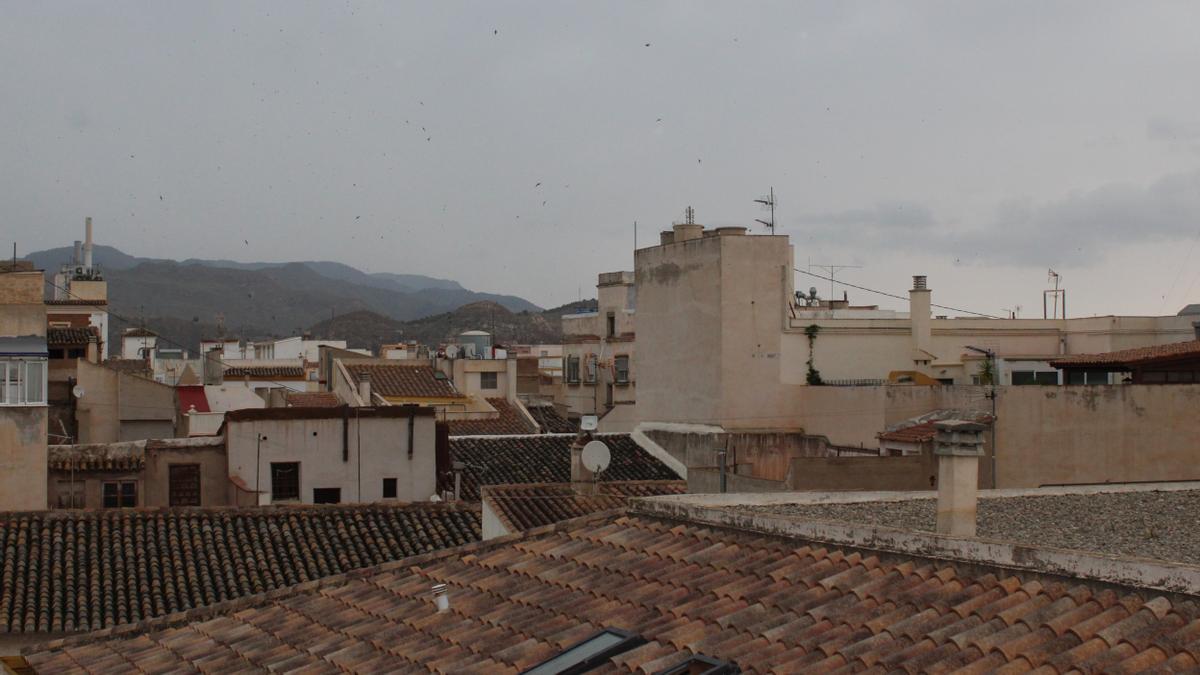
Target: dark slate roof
[1132, 357]
[545, 458]
[264, 371]
[765, 603]
[70, 336]
[401, 381]
[79, 570]
[523, 507]
[550, 421]
[510, 421]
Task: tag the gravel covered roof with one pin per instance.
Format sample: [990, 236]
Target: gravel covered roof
[1146, 524]
[80, 570]
[762, 602]
[545, 458]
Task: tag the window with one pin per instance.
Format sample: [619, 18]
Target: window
[327, 495]
[70, 494]
[612, 324]
[591, 369]
[1020, 377]
[573, 369]
[488, 381]
[120, 494]
[621, 366]
[23, 381]
[701, 665]
[389, 488]
[285, 481]
[588, 653]
[183, 484]
[1086, 376]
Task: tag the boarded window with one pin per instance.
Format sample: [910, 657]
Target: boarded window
[70, 494]
[285, 481]
[184, 485]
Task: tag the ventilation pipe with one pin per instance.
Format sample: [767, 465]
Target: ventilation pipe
[441, 597]
[583, 481]
[78, 254]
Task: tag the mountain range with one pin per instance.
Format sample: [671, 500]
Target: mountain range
[186, 299]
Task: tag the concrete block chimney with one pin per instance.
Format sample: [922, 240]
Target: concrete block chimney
[958, 445]
[687, 231]
[920, 315]
[364, 388]
[583, 481]
[214, 369]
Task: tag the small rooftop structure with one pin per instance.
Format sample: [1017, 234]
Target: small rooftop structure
[1174, 363]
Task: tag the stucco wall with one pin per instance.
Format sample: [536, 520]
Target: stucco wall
[215, 489]
[119, 407]
[22, 458]
[317, 444]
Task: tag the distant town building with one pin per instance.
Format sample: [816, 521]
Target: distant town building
[599, 377]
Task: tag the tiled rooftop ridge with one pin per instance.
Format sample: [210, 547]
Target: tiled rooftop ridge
[543, 458]
[762, 602]
[81, 570]
[525, 506]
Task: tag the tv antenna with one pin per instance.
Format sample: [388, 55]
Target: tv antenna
[1014, 312]
[768, 202]
[1053, 297]
[689, 216]
[832, 271]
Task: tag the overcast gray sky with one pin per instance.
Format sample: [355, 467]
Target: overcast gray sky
[977, 143]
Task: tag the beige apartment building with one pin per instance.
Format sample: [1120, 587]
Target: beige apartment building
[23, 387]
[599, 376]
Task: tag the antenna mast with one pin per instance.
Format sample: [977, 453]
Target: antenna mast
[768, 202]
[832, 270]
[1057, 294]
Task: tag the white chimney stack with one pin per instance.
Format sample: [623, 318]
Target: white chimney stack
[78, 253]
[364, 388]
[87, 244]
[958, 445]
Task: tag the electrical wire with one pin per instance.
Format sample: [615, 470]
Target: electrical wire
[893, 295]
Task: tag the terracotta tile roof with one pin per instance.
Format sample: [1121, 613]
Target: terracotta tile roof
[264, 371]
[762, 602]
[73, 301]
[550, 421]
[1132, 357]
[80, 570]
[545, 458]
[70, 336]
[917, 433]
[97, 457]
[313, 399]
[523, 507]
[404, 381]
[510, 421]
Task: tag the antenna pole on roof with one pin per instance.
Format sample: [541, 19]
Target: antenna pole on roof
[768, 202]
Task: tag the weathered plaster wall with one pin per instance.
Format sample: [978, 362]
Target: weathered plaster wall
[22, 458]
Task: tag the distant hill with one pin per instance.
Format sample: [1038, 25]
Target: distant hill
[182, 300]
[369, 329]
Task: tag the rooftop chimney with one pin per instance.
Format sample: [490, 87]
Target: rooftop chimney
[919, 282]
[920, 318]
[687, 231]
[441, 598]
[364, 388]
[214, 371]
[958, 445]
[582, 481]
[87, 244]
[78, 253]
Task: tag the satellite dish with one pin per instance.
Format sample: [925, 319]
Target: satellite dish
[596, 456]
[77, 391]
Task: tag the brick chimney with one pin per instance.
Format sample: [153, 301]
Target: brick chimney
[958, 445]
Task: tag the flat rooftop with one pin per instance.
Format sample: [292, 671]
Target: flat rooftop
[1163, 525]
